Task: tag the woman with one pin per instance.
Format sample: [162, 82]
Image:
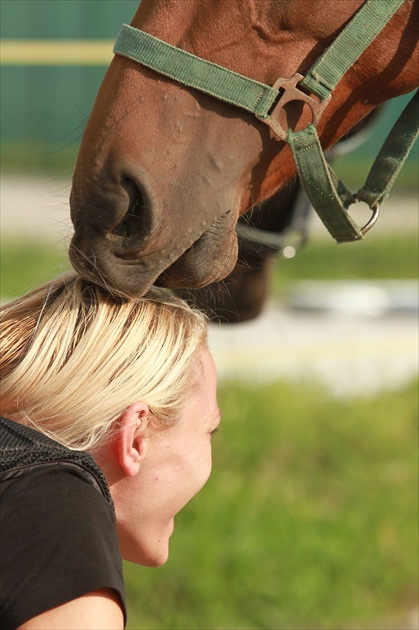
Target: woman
[108, 408]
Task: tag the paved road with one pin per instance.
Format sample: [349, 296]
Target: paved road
[35, 206]
[351, 355]
[355, 350]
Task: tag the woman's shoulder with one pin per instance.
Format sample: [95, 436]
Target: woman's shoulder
[23, 450]
[58, 530]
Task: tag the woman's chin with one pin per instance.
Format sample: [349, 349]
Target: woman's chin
[153, 553]
[155, 557]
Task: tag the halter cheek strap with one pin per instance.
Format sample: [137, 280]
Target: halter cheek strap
[328, 195]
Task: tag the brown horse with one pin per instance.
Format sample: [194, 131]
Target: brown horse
[165, 171]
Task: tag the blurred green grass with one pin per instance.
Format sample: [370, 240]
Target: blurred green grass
[26, 263]
[382, 256]
[309, 519]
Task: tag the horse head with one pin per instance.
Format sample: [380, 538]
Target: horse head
[164, 171]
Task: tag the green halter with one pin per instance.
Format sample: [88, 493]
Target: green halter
[327, 193]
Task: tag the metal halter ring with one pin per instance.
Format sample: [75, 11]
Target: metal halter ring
[375, 209]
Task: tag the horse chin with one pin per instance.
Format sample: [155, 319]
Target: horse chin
[191, 270]
[133, 277]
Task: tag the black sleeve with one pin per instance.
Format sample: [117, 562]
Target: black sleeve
[58, 542]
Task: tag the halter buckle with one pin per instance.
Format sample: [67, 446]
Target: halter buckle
[290, 92]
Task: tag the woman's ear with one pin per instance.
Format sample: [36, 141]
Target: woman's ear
[130, 447]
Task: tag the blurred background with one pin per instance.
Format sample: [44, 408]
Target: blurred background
[310, 518]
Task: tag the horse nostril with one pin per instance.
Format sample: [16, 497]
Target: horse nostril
[132, 222]
[136, 222]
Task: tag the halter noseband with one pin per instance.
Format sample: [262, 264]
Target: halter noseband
[328, 195]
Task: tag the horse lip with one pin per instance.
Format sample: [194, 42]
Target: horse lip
[97, 266]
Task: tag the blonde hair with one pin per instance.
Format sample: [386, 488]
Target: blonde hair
[73, 358]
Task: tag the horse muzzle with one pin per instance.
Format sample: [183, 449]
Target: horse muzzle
[173, 258]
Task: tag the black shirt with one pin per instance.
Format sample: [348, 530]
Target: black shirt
[57, 526]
